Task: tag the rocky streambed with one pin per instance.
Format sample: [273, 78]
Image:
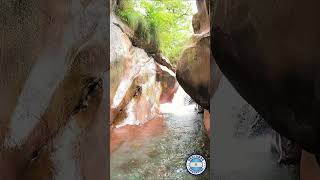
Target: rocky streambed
[159, 150]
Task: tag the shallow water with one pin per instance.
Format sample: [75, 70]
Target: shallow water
[164, 156]
[241, 158]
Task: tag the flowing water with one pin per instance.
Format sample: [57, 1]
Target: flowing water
[241, 158]
[163, 156]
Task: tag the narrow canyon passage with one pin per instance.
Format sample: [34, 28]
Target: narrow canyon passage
[154, 124]
[159, 151]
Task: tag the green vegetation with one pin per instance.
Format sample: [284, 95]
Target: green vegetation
[165, 24]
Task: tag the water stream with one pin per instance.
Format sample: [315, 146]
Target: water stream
[241, 158]
[163, 156]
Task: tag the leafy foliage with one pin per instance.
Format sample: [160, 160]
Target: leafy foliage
[164, 23]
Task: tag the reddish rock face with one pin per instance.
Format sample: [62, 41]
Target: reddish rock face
[309, 167]
[135, 91]
[54, 69]
[143, 109]
[169, 84]
[138, 85]
[207, 122]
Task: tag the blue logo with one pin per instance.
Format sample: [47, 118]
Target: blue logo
[196, 164]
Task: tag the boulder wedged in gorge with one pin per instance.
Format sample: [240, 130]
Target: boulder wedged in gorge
[193, 70]
[197, 71]
[272, 60]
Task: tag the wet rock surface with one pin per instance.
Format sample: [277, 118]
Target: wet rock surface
[193, 70]
[251, 125]
[263, 56]
[169, 84]
[196, 70]
[54, 71]
[242, 142]
[138, 83]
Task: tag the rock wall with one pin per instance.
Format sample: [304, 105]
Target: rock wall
[197, 71]
[138, 83]
[53, 89]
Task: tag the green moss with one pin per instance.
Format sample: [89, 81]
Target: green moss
[163, 25]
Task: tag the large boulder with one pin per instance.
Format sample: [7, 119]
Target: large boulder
[193, 70]
[269, 52]
[197, 71]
